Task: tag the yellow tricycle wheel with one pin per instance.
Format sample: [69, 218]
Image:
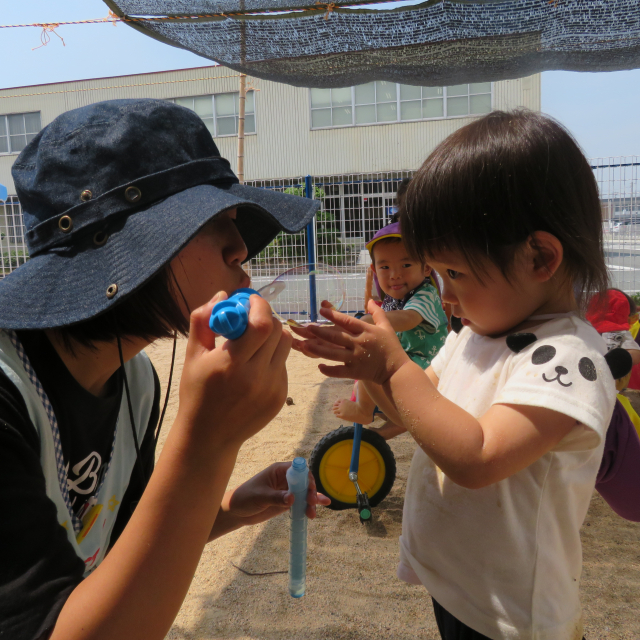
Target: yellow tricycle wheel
[330, 462]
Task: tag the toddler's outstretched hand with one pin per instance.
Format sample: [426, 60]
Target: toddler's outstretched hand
[368, 351]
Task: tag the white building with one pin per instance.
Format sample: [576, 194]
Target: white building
[356, 142]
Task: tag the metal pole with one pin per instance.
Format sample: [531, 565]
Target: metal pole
[311, 255]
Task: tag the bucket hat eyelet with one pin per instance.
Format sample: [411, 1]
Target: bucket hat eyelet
[86, 195]
[112, 289]
[65, 223]
[100, 238]
[132, 194]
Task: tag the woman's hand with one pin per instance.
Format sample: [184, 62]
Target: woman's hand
[368, 351]
[261, 498]
[235, 389]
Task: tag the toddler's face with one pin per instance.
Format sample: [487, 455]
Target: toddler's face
[489, 307]
[397, 273]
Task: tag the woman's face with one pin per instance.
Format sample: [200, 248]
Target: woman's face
[211, 262]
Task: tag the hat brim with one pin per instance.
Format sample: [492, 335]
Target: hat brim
[370, 244]
[66, 286]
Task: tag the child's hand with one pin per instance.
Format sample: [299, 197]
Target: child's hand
[368, 352]
[261, 498]
[235, 389]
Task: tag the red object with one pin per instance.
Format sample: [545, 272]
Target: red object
[634, 381]
[609, 312]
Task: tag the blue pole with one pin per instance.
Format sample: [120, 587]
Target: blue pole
[355, 452]
[311, 254]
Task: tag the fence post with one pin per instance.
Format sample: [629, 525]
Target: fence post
[311, 255]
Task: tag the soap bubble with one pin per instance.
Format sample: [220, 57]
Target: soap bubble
[289, 293]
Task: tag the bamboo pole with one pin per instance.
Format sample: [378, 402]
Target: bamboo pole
[242, 94]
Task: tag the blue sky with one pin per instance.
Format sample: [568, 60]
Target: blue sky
[601, 109]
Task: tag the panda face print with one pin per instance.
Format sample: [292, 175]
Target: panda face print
[545, 353]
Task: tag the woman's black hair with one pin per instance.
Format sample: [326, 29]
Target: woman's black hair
[151, 312]
[487, 187]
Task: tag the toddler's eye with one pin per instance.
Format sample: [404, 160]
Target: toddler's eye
[453, 274]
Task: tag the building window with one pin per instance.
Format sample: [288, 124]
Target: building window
[220, 112]
[17, 129]
[383, 102]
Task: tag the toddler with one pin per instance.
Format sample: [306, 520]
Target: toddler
[512, 413]
[413, 309]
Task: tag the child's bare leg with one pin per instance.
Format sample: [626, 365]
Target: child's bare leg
[360, 411]
[389, 430]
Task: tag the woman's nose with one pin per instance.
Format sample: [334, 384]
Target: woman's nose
[235, 252]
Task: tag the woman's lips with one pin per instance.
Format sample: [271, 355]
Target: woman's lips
[465, 322]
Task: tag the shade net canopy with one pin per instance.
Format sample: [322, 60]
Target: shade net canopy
[434, 43]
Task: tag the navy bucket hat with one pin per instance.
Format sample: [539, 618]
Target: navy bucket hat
[110, 193]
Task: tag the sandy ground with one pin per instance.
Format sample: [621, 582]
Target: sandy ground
[352, 591]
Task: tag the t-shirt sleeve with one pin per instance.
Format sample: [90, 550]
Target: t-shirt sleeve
[569, 375]
[427, 303]
[38, 566]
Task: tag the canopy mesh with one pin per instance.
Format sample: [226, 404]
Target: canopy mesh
[432, 44]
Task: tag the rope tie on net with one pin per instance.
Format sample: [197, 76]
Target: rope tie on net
[330, 7]
[45, 38]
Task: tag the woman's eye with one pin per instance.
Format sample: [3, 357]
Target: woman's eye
[452, 274]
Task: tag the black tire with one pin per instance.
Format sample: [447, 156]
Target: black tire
[376, 442]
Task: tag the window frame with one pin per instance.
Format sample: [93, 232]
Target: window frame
[214, 112]
[6, 116]
[398, 108]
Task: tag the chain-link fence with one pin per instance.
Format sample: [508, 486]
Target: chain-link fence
[353, 208]
[619, 181]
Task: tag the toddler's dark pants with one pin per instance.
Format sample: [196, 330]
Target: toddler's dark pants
[451, 628]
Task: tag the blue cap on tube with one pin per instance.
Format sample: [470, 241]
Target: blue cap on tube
[229, 318]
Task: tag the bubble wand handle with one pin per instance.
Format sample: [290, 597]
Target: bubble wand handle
[298, 481]
[229, 318]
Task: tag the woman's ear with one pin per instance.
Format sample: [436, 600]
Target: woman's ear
[547, 254]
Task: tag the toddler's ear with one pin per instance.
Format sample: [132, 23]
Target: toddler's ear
[547, 254]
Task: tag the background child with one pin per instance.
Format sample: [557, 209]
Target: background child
[618, 480]
[611, 315]
[511, 416]
[413, 309]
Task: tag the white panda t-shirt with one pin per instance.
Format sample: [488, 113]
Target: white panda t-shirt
[506, 559]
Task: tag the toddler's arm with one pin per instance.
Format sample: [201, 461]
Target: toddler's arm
[400, 319]
[472, 452]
